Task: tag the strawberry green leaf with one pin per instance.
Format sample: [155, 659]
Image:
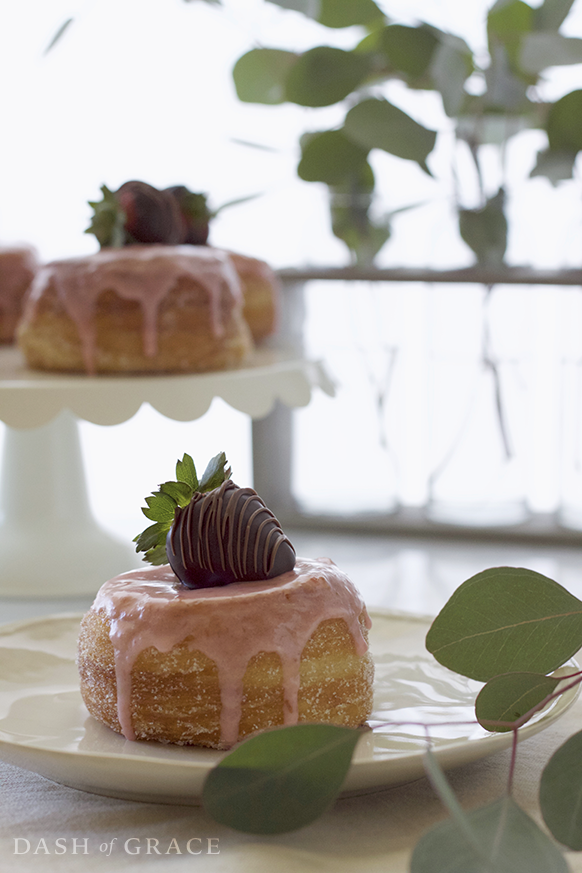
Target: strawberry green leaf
[161, 507]
[108, 221]
[186, 472]
[162, 504]
[157, 556]
[508, 697]
[280, 780]
[178, 491]
[215, 473]
[152, 536]
[506, 619]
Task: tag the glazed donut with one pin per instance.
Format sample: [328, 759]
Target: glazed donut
[210, 666]
[18, 265]
[138, 309]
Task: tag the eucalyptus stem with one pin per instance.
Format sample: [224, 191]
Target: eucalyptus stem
[512, 762]
[523, 719]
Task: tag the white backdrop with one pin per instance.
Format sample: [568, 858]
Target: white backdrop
[143, 89]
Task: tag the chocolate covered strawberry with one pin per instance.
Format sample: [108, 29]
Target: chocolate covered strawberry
[195, 214]
[211, 531]
[139, 213]
[151, 216]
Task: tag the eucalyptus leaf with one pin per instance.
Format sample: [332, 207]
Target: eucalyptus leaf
[330, 157]
[564, 123]
[408, 49]
[509, 20]
[508, 697]
[355, 228]
[506, 92]
[551, 14]
[260, 75]
[555, 166]
[506, 619]
[376, 123]
[451, 65]
[538, 51]
[350, 202]
[561, 793]
[508, 841]
[325, 75]
[493, 128]
[485, 230]
[309, 8]
[447, 796]
[280, 780]
[347, 13]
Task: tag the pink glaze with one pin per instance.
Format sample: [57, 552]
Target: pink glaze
[18, 265]
[229, 625]
[142, 273]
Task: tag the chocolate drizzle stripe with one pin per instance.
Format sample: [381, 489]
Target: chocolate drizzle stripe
[257, 535]
[216, 520]
[270, 552]
[262, 526]
[280, 541]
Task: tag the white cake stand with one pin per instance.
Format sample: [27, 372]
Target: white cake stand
[50, 544]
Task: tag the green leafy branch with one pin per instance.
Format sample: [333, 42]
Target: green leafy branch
[523, 42]
[162, 504]
[510, 628]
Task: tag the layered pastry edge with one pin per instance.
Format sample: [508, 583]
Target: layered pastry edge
[211, 666]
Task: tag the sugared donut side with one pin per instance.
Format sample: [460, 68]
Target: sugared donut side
[211, 666]
[138, 309]
[261, 295]
[18, 266]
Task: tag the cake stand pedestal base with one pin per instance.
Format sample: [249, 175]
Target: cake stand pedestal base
[50, 544]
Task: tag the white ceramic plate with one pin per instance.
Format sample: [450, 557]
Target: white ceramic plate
[44, 726]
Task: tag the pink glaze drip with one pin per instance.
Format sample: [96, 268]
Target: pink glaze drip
[142, 273]
[18, 264]
[229, 625]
